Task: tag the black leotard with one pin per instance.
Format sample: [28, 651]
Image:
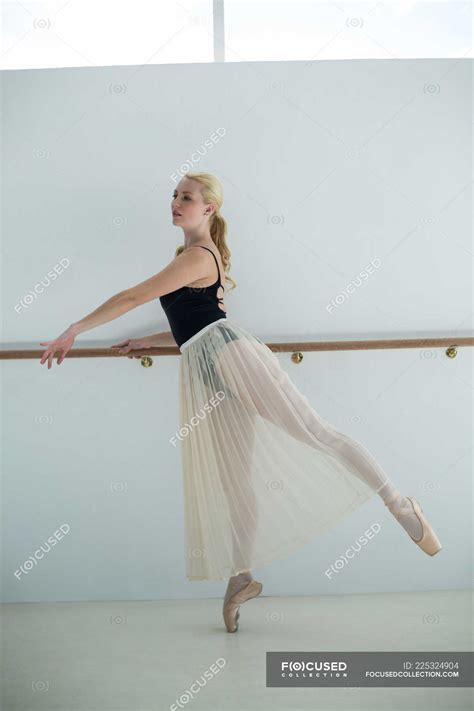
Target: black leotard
[190, 308]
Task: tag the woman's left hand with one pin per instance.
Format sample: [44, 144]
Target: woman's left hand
[63, 343]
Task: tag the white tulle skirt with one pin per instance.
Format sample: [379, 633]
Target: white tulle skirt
[263, 473]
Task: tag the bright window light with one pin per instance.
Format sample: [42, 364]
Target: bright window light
[311, 30]
[92, 33]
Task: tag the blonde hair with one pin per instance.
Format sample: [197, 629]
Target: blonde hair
[211, 190]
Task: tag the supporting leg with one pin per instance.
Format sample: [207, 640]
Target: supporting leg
[233, 432]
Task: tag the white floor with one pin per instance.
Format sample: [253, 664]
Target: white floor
[142, 656]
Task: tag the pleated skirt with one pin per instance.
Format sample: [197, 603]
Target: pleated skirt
[263, 473]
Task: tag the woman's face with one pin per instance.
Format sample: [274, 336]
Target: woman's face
[187, 201]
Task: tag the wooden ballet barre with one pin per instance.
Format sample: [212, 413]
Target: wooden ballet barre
[292, 347]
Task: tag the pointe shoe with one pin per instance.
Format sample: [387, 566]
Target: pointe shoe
[231, 612]
[429, 542]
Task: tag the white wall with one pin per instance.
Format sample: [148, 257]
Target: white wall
[326, 166]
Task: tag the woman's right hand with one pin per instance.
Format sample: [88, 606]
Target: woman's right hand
[133, 344]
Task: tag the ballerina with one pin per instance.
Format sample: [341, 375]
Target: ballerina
[263, 473]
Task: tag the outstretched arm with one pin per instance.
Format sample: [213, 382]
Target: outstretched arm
[191, 265]
[111, 309]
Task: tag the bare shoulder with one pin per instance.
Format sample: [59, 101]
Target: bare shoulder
[203, 250]
[197, 250]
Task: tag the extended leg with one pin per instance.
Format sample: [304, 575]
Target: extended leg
[262, 384]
